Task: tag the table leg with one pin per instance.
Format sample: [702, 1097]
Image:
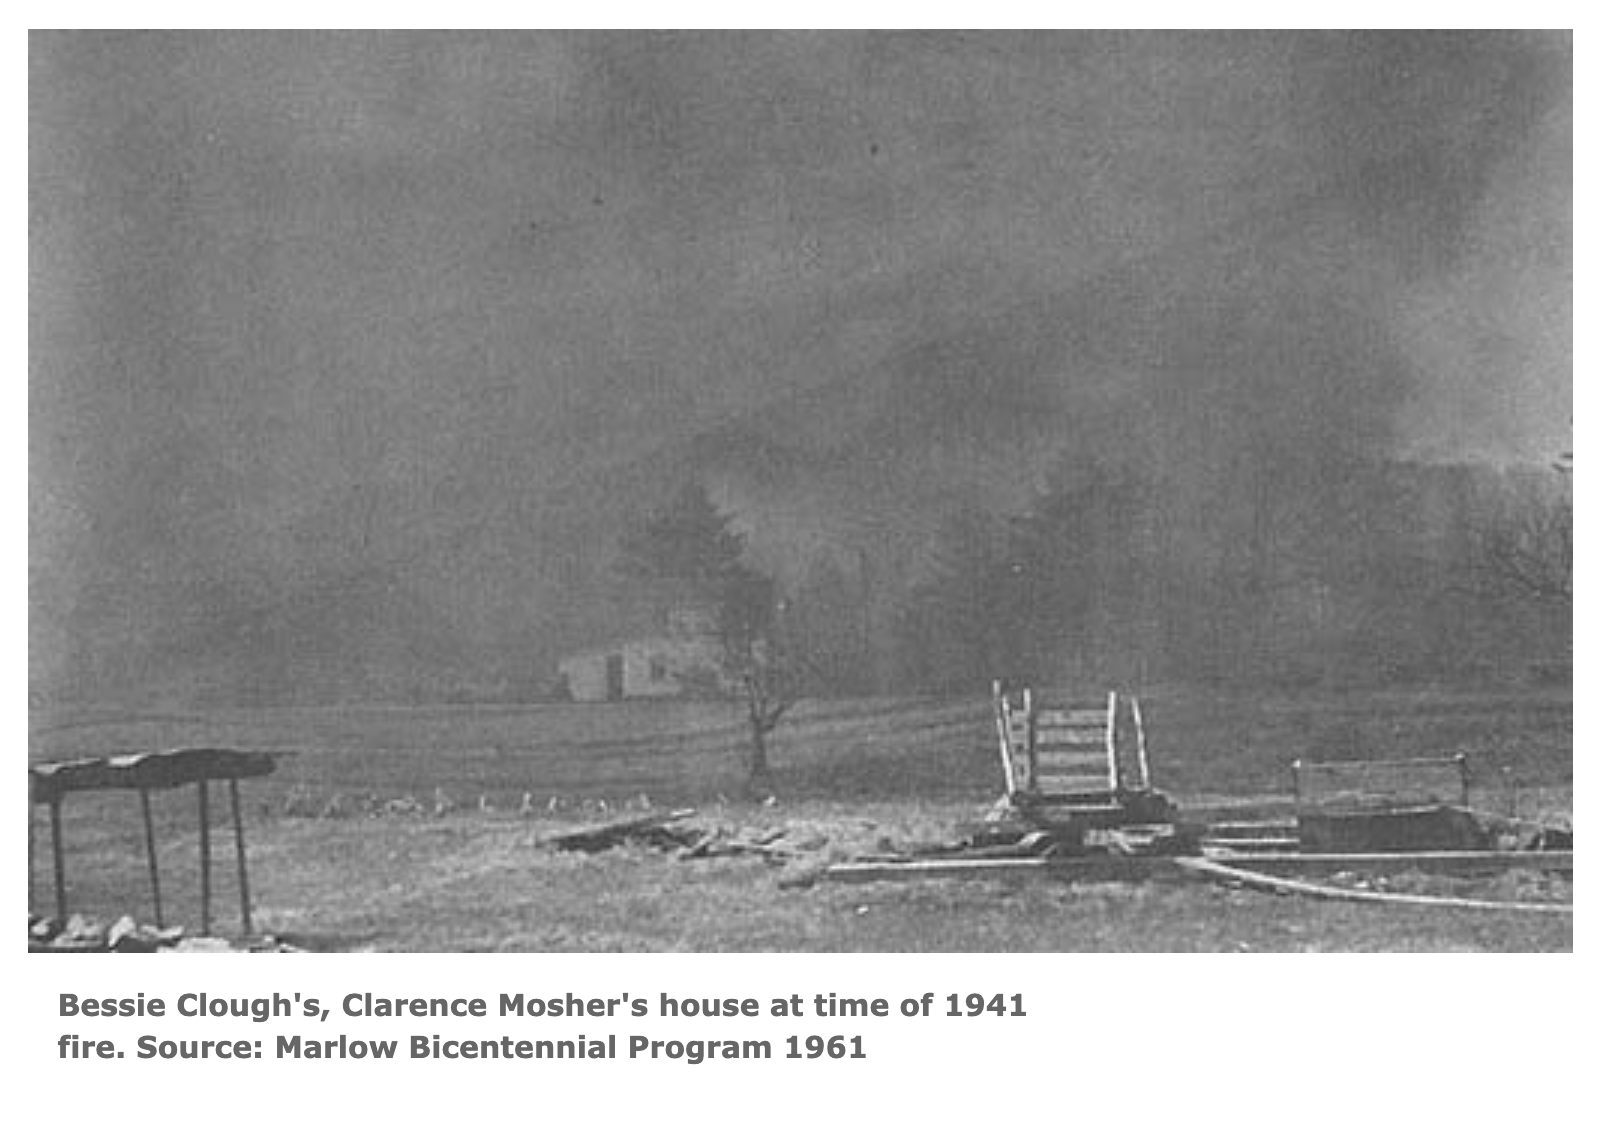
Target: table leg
[149, 850]
[205, 859]
[60, 862]
[238, 843]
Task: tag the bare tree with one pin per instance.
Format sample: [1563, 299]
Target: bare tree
[754, 649]
[691, 549]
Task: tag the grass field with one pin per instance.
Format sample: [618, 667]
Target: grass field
[458, 868]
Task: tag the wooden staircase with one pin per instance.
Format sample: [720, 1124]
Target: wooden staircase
[1087, 760]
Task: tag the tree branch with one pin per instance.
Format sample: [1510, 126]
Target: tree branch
[769, 720]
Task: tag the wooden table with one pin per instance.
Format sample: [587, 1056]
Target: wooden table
[143, 772]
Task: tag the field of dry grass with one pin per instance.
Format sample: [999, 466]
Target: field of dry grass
[405, 829]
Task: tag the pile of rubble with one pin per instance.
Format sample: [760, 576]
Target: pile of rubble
[126, 935]
[801, 848]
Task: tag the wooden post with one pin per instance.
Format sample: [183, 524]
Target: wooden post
[1031, 740]
[1109, 741]
[1001, 718]
[238, 844]
[1464, 778]
[205, 859]
[1298, 787]
[30, 845]
[149, 851]
[1145, 781]
[60, 863]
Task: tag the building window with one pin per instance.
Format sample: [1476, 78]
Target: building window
[657, 670]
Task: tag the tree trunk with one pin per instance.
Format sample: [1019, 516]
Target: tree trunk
[759, 771]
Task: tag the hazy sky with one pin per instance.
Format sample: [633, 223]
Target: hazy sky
[276, 275]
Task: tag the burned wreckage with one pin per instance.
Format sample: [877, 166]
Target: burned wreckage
[1080, 804]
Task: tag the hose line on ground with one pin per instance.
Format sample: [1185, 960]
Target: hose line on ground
[1260, 880]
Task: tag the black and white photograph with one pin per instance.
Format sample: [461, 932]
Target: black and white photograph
[800, 492]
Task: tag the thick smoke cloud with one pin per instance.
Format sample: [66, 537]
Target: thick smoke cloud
[395, 326]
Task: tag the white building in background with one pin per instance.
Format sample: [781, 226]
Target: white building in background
[684, 662]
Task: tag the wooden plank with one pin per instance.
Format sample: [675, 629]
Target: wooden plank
[1065, 786]
[1099, 747]
[1145, 867]
[1075, 756]
[1352, 784]
[1252, 843]
[160, 770]
[1115, 767]
[598, 836]
[1048, 785]
[1145, 779]
[1098, 801]
[1281, 827]
[1454, 761]
[1087, 758]
[1098, 779]
[1014, 742]
[1277, 808]
[1007, 759]
[1053, 764]
[1083, 717]
[1084, 868]
[1072, 736]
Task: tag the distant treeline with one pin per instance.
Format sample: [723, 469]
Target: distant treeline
[1388, 572]
[1125, 573]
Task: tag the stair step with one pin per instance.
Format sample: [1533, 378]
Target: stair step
[1248, 831]
[1255, 843]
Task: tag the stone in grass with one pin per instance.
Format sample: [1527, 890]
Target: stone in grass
[125, 928]
[204, 945]
[130, 937]
[81, 933]
[42, 930]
